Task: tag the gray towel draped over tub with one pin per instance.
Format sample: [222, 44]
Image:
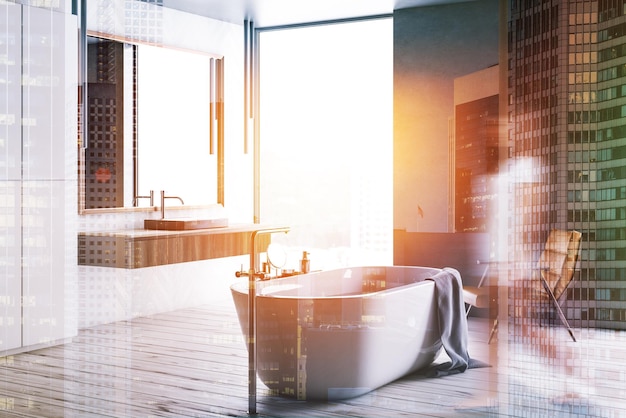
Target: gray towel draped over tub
[452, 324]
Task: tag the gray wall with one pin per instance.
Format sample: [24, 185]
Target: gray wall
[432, 46]
[434, 249]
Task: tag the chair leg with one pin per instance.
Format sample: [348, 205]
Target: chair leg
[564, 320]
[493, 330]
[558, 308]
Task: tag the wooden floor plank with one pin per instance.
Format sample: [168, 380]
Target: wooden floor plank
[193, 363]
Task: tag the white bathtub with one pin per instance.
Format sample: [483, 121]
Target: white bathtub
[342, 333]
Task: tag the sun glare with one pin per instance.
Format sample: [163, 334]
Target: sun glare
[327, 139]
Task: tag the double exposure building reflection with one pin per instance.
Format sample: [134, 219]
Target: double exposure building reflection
[567, 97]
[476, 150]
[287, 326]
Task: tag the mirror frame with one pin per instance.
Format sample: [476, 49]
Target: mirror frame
[217, 108]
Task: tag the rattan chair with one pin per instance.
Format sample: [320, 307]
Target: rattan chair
[557, 264]
[556, 270]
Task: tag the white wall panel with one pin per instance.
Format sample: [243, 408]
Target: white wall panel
[43, 261]
[10, 269]
[10, 174]
[10, 92]
[49, 95]
[57, 5]
[45, 50]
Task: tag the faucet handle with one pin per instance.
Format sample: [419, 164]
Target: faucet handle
[257, 275]
[151, 197]
[241, 272]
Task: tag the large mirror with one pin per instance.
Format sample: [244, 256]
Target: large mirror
[154, 121]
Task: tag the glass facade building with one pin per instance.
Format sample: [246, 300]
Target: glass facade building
[567, 135]
[476, 164]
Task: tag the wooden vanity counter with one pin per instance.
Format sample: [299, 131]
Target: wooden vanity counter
[138, 248]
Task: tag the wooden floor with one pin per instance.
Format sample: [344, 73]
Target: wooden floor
[193, 363]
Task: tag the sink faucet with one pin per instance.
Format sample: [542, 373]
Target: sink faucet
[163, 197]
[151, 197]
[252, 275]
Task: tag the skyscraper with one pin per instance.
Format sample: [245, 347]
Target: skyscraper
[567, 135]
[475, 151]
